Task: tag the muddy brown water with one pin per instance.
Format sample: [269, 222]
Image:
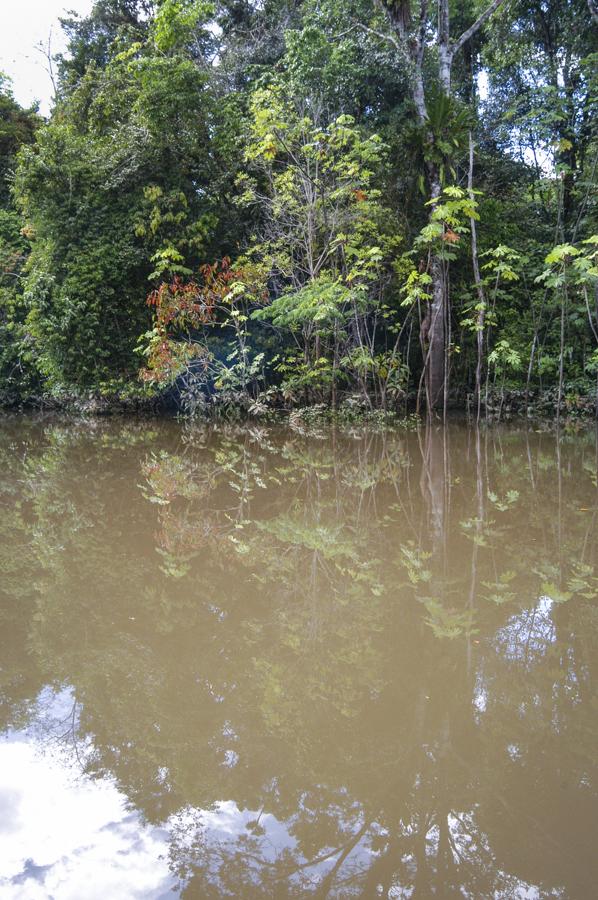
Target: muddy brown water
[257, 662]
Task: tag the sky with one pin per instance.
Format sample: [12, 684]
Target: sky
[23, 24]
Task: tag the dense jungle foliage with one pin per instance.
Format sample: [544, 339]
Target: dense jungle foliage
[258, 204]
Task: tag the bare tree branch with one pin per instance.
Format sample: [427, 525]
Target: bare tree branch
[46, 52]
[359, 26]
[469, 33]
[593, 7]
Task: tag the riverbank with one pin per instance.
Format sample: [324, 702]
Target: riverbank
[505, 405]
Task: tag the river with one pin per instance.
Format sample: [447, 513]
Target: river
[270, 662]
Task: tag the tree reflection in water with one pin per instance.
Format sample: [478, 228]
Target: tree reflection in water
[335, 664]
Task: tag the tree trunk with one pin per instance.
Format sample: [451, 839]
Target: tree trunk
[436, 356]
[480, 323]
[435, 369]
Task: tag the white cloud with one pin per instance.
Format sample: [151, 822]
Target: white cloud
[67, 836]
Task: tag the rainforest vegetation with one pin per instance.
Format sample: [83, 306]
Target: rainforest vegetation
[268, 204]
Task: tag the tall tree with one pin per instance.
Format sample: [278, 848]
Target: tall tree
[410, 35]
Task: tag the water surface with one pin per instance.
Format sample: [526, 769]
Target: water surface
[268, 663]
